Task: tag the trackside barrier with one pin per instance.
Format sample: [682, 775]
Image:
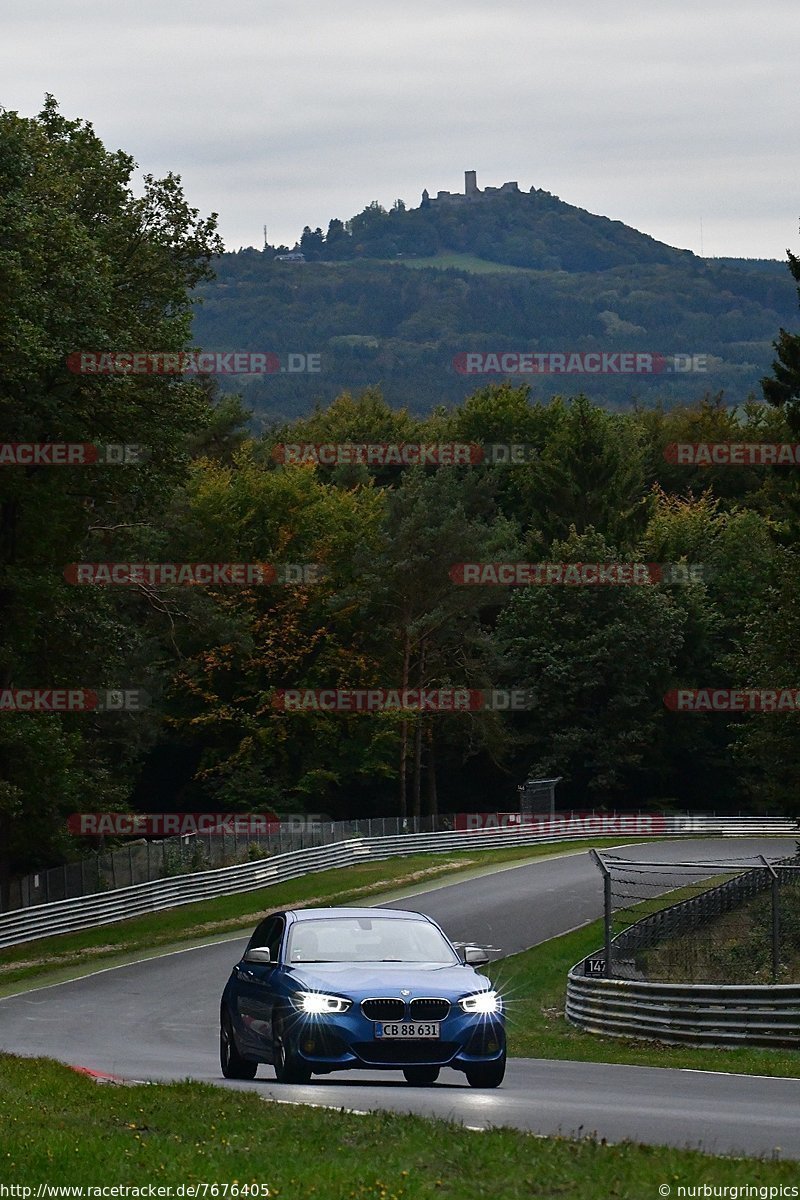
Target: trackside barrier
[686, 1013]
[103, 908]
[710, 1014]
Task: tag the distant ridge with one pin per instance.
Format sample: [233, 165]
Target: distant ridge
[533, 229]
[393, 299]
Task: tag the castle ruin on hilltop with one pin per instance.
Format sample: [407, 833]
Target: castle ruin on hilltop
[471, 192]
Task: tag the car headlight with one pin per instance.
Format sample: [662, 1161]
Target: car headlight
[481, 1002]
[319, 1002]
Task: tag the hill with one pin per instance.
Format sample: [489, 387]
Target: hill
[397, 298]
[522, 229]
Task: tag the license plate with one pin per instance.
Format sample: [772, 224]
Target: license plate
[406, 1029]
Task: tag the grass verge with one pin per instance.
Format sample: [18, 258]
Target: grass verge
[52, 959]
[735, 947]
[451, 258]
[61, 1128]
[463, 262]
[534, 985]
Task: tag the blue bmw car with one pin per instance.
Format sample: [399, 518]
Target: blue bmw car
[333, 989]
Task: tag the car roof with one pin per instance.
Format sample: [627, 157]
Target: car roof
[314, 914]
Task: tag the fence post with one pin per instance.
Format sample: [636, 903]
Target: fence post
[776, 929]
[776, 919]
[606, 910]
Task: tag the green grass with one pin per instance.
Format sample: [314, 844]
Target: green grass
[52, 959]
[534, 985]
[462, 262]
[59, 1127]
[734, 948]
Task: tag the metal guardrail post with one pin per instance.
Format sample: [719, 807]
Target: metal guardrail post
[606, 910]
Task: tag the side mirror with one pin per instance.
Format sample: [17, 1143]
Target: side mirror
[474, 956]
[259, 954]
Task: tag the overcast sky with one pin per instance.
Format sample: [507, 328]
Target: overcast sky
[290, 112]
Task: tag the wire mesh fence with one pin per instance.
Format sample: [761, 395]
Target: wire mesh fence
[733, 920]
[142, 860]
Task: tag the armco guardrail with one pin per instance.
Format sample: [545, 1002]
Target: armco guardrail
[101, 908]
[680, 1013]
[142, 860]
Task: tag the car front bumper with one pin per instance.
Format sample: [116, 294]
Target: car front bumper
[347, 1041]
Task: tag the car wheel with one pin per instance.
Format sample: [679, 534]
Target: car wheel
[419, 1076]
[231, 1061]
[289, 1068]
[486, 1075]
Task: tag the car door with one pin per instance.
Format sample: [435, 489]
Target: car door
[254, 988]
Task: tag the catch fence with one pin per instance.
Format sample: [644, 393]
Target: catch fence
[104, 907]
[731, 920]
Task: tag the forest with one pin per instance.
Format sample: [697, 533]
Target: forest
[88, 264]
[405, 324]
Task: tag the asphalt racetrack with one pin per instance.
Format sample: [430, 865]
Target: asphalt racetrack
[158, 1020]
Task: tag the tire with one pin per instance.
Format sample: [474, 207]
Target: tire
[420, 1076]
[486, 1075]
[289, 1068]
[231, 1061]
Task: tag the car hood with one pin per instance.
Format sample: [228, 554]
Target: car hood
[386, 979]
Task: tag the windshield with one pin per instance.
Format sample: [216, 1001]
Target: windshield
[368, 939]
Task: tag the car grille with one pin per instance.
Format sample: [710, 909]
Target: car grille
[383, 1010]
[405, 1052]
[429, 1010]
